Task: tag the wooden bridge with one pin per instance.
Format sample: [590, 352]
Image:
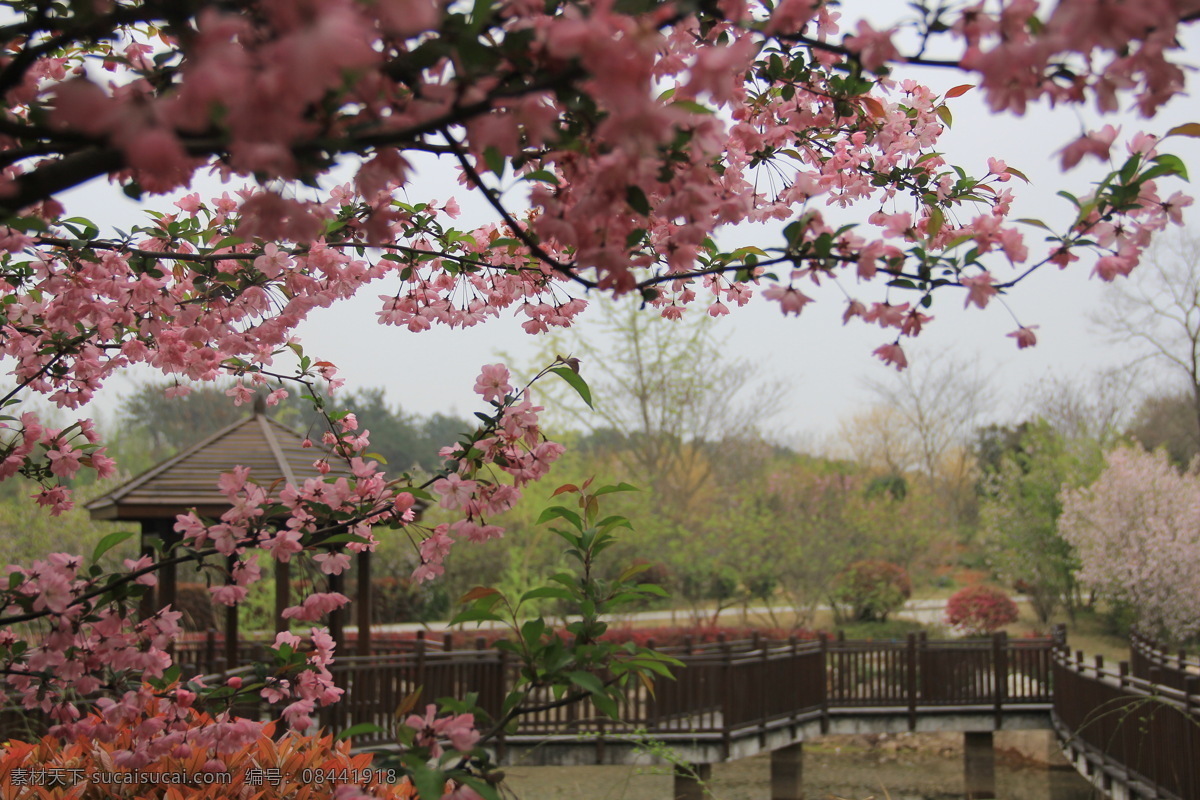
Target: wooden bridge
[1134, 731]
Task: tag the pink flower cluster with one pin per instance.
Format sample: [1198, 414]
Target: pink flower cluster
[432, 731]
[515, 446]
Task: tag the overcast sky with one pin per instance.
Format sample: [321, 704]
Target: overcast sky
[824, 362]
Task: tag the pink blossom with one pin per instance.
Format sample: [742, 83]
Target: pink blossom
[1096, 143]
[790, 299]
[454, 490]
[149, 579]
[1025, 336]
[493, 383]
[316, 606]
[64, 461]
[980, 289]
[874, 48]
[332, 563]
[892, 354]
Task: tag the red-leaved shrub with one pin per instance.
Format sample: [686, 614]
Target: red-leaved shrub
[980, 610]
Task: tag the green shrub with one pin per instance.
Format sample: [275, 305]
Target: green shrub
[872, 589]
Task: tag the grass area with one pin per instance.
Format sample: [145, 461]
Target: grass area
[1088, 632]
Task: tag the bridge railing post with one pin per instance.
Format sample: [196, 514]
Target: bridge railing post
[1000, 664]
[728, 702]
[420, 647]
[765, 688]
[841, 670]
[502, 692]
[1191, 687]
[1123, 671]
[912, 681]
[823, 651]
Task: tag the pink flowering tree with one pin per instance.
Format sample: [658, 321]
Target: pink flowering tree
[1137, 533]
[614, 142]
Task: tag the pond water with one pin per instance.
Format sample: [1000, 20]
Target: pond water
[834, 769]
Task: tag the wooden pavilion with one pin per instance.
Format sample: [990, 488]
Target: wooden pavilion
[188, 480]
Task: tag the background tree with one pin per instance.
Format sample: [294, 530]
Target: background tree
[807, 519]
[923, 425]
[1168, 421]
[1025, 470]
[669, 403]
[1158, 312]
[1095, 406]
[872, 589]
[1137, 532]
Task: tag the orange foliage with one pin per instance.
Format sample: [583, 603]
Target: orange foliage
[295, 767]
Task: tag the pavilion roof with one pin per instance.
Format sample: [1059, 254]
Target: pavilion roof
[271, 450]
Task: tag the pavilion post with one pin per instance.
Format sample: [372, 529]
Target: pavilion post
[363, 611]
[282, 594]
[337, 617]
[231, 626]
[168, 581]
[148, 604]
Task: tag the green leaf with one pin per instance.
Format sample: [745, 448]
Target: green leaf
[555, 592]
[936, 219]
[742, 252]
[576, 382]
[513, 700]
[559, 512]
[944, 115]
[1018, 173]
[637, 200]
[631, 570]
[606, 705]
[482, 788]
[492, 157]
[586, 681]
[532, 631]
[614, 521]
[480, 13]
[109, 542]
[1166, 164]
[620, 487]
[474, 615]
[429, 782]
[694, 107]
[544, 175]
[360, 728]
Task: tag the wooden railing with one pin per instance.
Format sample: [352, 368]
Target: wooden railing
[1141, 734]
[1152, 662]
[726, 690]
